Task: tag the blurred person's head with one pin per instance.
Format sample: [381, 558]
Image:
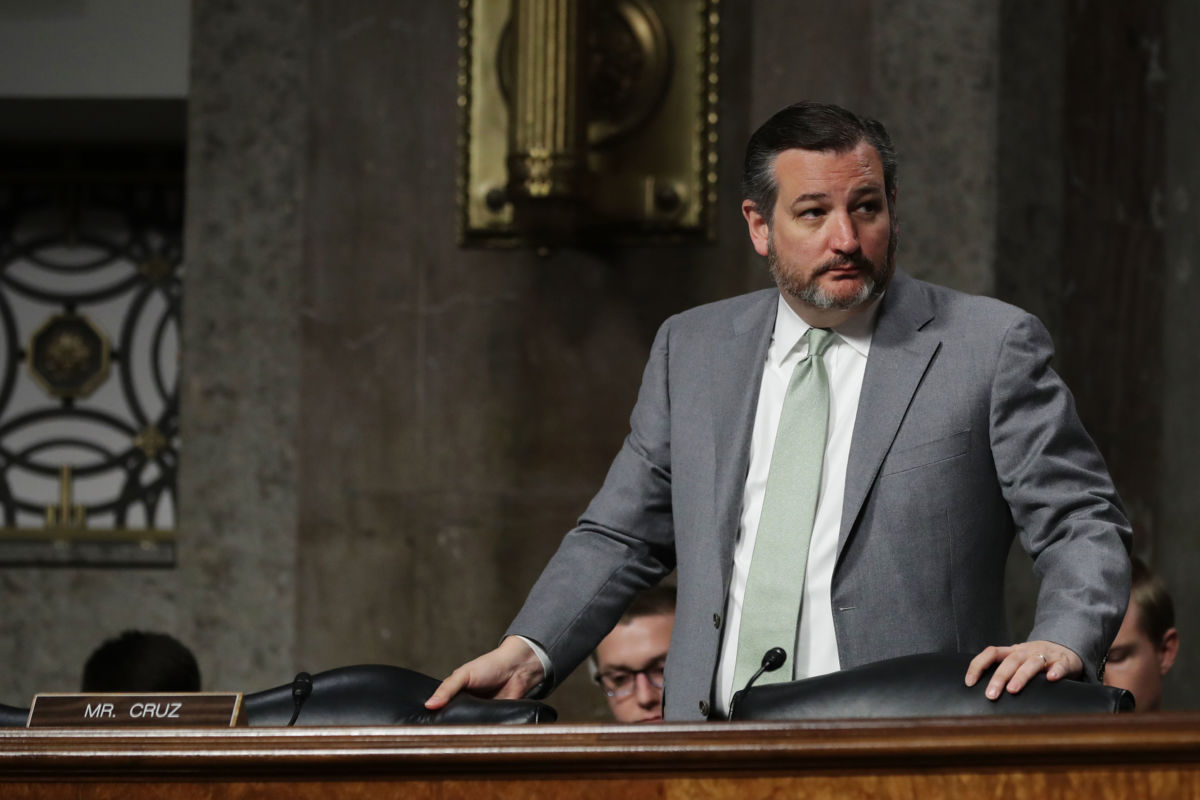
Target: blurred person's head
[1147, 643]
[628, 663]
[138, 661]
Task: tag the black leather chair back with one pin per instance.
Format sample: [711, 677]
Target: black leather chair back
[13, 717]
[384, 695]
[928, 685]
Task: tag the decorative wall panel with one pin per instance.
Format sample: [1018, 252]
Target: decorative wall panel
[90, 269]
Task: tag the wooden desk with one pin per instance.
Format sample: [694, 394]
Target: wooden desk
[1131, 756]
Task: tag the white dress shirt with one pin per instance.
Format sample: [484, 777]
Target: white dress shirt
[815, 650]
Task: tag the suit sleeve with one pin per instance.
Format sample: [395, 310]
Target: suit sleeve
[1063, 502]
[624, 542]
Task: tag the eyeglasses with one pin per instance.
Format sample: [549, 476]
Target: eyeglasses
[621, 683]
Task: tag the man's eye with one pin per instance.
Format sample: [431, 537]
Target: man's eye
[809, 213]
[619, 680]
[1117, 656]
[870, 207]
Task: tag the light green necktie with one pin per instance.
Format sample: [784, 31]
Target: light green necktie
[775, 585]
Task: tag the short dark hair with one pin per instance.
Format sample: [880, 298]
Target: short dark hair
[138, 661]
[1156, 610]
[646, 603]
[649, 602]
[821, 127]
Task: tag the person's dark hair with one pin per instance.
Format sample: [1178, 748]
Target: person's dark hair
[138, 661]
[1156, 610]
[820, 127]
[647, 603]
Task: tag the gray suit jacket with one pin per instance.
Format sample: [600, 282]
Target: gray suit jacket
[964, 434]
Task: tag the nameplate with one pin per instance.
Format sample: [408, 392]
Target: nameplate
[149, 710]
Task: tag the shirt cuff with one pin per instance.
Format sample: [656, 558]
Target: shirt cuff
[541, 690]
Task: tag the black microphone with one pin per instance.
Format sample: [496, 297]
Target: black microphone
[302, 689]
[772, 660]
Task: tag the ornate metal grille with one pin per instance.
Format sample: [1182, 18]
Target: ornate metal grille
[90, 285]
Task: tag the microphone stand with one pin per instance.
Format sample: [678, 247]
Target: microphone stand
[772, 660]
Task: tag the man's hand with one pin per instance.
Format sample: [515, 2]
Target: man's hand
[509, 672]
[1020, 663]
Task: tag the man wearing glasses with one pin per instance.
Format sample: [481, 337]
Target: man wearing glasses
[628, 663]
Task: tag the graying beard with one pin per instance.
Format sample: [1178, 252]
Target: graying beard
[816, 295]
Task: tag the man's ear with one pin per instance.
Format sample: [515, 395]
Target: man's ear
[760, 229]
[1168, 650]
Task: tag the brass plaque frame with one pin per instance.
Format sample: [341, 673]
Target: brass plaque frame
[654, 184]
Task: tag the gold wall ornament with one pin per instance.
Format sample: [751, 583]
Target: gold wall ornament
[67, 515]
[69, 356]
[66, 527]
[155, 268]
[546, 130]
[587, 121]
[150, 441]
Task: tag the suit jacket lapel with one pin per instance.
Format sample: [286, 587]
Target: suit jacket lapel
[737, 377]
[900, 354]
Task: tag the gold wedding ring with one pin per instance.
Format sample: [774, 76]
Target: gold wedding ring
[1043, 658]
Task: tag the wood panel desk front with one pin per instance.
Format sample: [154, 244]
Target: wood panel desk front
[1095, 757]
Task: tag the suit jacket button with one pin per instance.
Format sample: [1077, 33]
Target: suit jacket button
[704, 708]
[716, 620]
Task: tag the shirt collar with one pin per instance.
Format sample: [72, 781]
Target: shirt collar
[790, 330]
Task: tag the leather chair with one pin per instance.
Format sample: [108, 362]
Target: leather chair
[927, 685]
[13, 717]
[384, 695]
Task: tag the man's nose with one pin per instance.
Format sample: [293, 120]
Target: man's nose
[648, 695]
[843, 236]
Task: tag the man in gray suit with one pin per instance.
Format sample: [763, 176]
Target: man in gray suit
[946, 432]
